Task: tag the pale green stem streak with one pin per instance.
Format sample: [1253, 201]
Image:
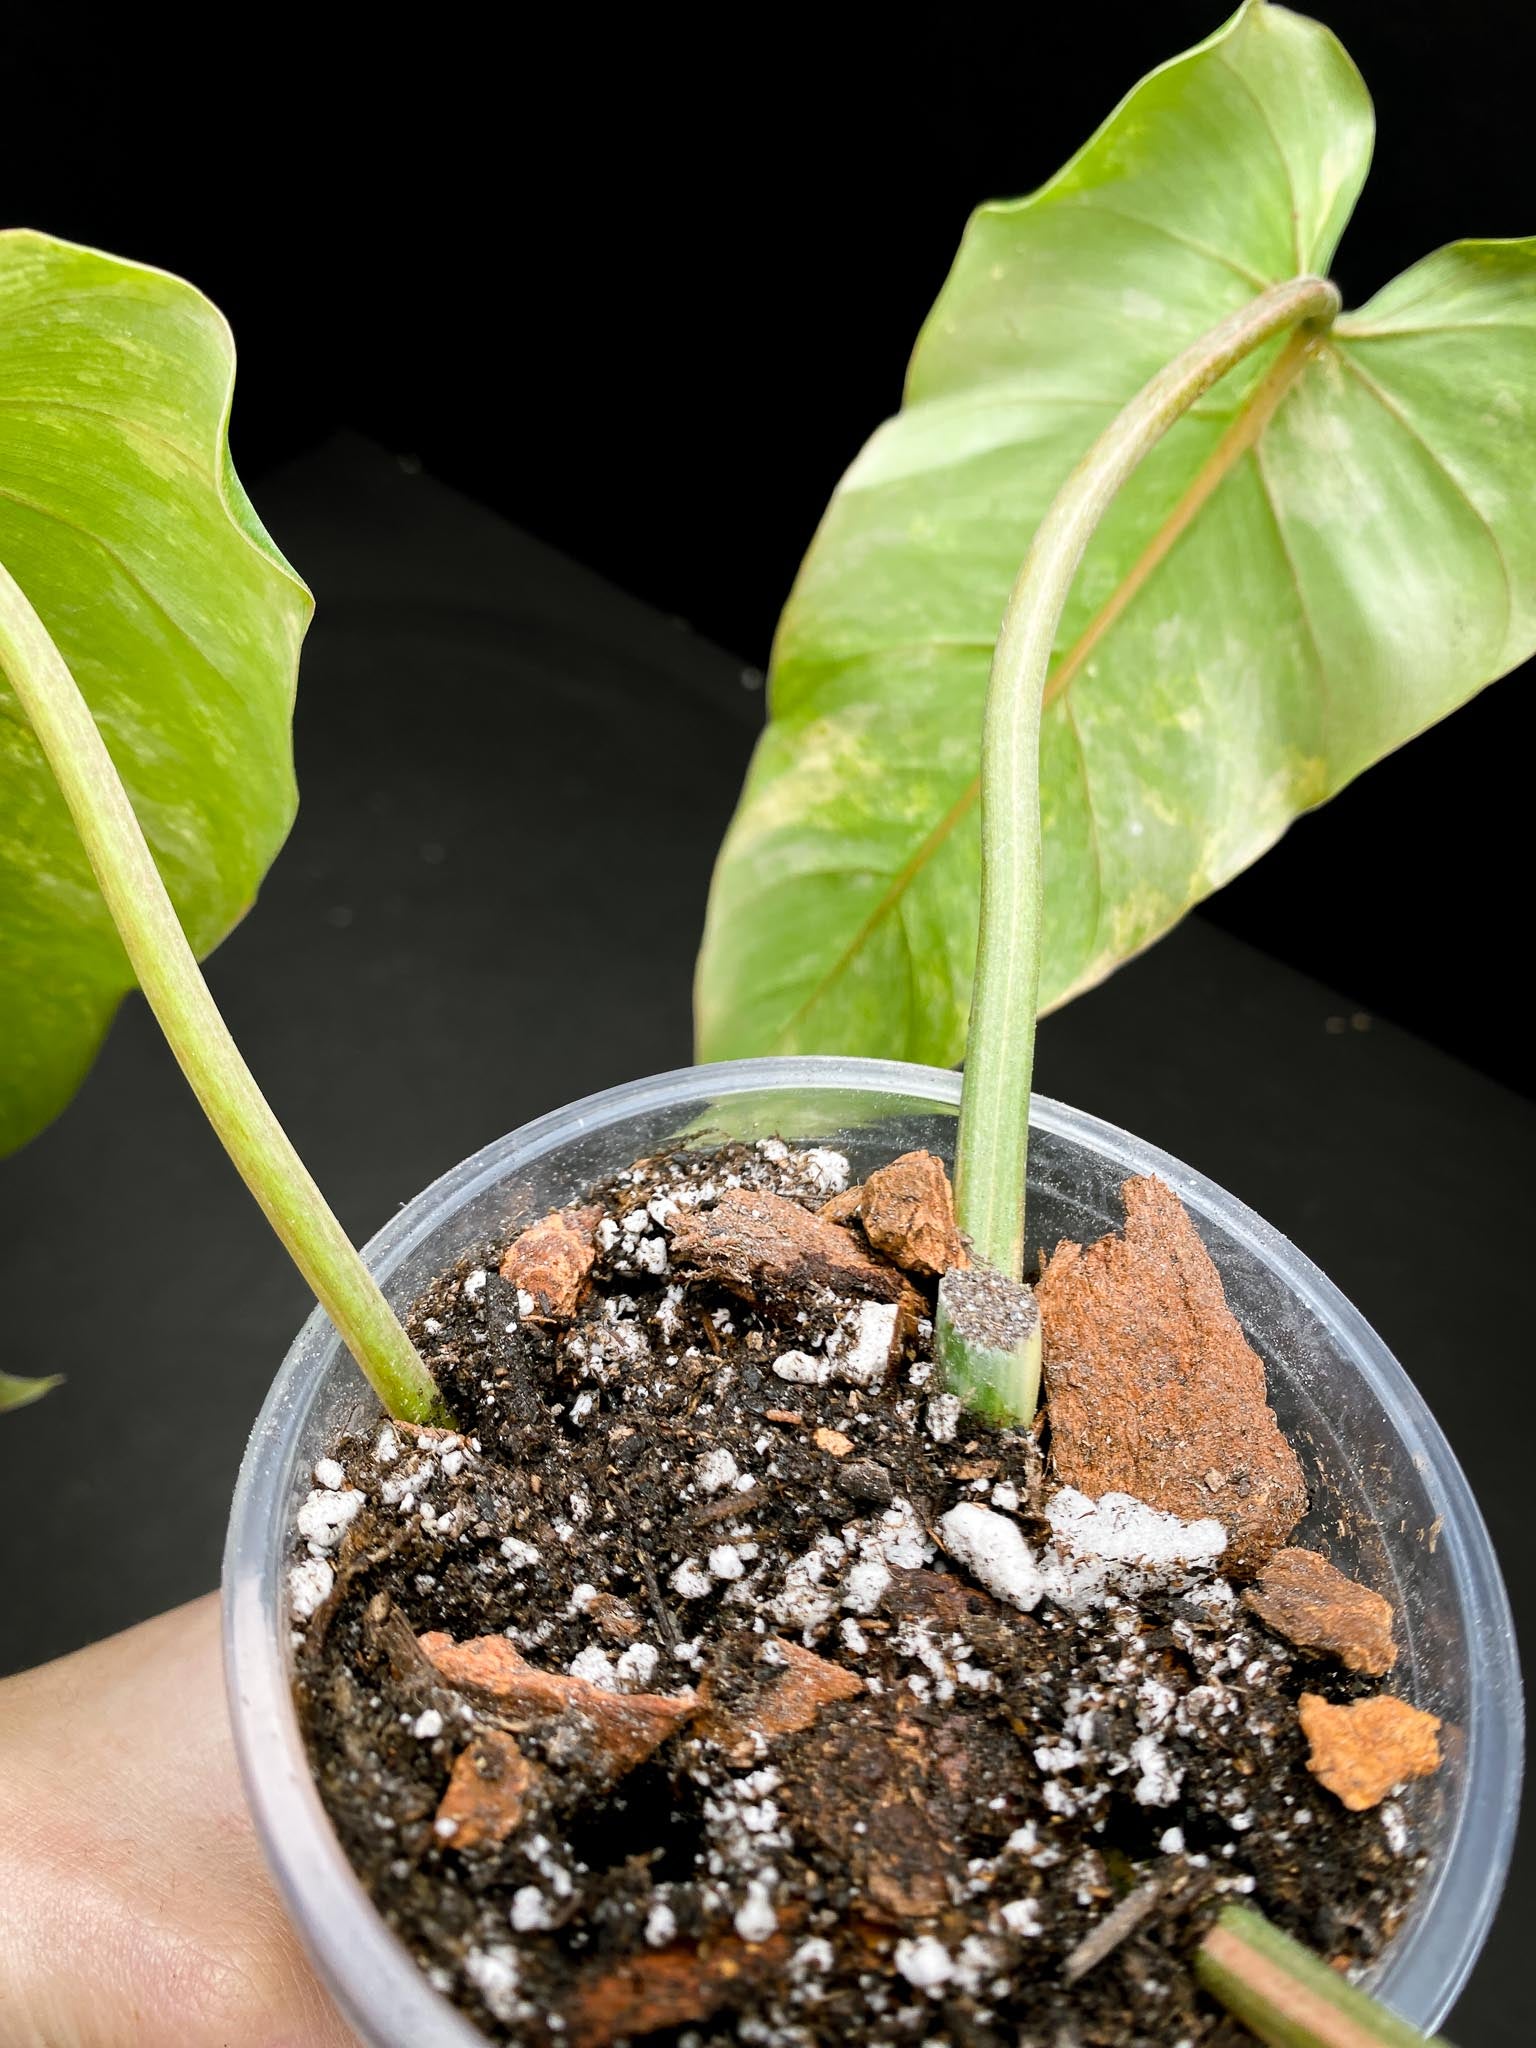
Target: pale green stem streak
[173, 984]
[991, 1160]
[1288, 1997]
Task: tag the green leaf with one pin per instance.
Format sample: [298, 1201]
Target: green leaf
[1333, 550]
[122, 520]
[16, 1392]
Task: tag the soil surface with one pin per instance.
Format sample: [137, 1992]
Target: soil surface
[723, 1681]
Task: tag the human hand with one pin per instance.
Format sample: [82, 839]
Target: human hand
[135, 1909]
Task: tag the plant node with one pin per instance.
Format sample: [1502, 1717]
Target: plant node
[986, 1338]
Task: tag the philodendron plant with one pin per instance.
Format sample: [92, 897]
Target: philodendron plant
[1263, 542]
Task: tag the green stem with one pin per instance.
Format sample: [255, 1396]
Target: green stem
[994, 1110]
[1287, 1996]
[169, 975]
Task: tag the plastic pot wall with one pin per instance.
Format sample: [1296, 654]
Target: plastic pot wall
[1389, 1501]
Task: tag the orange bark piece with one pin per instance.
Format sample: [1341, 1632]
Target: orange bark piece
[833, 1442]
[1152, 1388]
[624, 1727]
[908, 1212]
[552, 1260]
[1308, 1601]
[772, 1252]
[673, 1987]
[1362, 1750]
[489, 1791]
[801, 1686]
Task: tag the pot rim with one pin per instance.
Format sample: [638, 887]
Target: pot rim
[374, 1978]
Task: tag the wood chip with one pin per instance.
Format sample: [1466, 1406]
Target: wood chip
[551, 1262]
[489, 1792]
[619, 1730]
[833, 1442]
[772, 1253]
[730, 1507]
[672, 1987]
[1151, 1383]
[908, 1212]
[790, 1701]
[946, 1604]
[1302, 1597]
[789, 1416]
[614, 1619]
[1362, 1750]
[1103, 1939]
[843, 1208]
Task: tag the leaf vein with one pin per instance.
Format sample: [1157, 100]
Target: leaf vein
[1198, 248]
[899, 883]
[1285, 163]
[1324, 680]
[1394, 411]
[130, 574]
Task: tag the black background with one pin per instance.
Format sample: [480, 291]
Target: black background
[645, 291]
[646, 286]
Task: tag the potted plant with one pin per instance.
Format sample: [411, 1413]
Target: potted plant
[859, 1706]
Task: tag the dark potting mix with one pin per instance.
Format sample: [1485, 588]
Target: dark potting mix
[724, 1680]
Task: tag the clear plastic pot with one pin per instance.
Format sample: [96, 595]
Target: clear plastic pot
[1388, 1495]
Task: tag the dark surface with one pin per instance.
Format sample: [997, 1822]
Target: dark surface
[647, 294]
[515, 779]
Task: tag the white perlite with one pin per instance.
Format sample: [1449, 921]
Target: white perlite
[651, 1255]
[942, 1417]
[1159, 1782]
[328, 1473]
[994, 1550]
[865, 1586]
[828, 1169]
[715, 1470]
[661, 1925]
[1021, 1917]
[860, 1347]
[308, 1584]
[595, 1666]
[1121, 1528]
[1116, 1544]
[801, 1370]
[530, 1910]
[428, 1725]
[802, 1601]
[925, 1962]
[325, 1514]
[637, 1666]
[493, 1972]
[689, 1582]
[755, 1917]
[899, 1539]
